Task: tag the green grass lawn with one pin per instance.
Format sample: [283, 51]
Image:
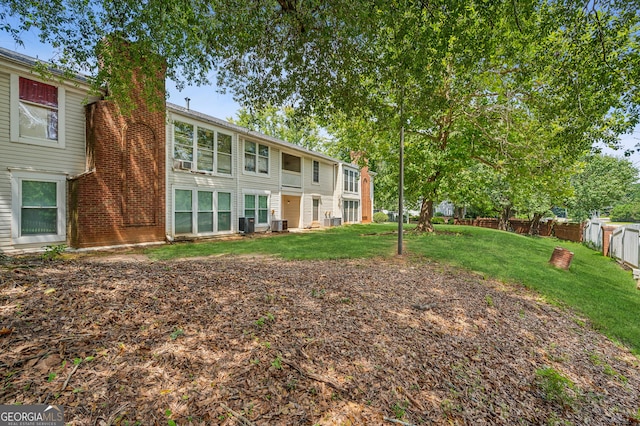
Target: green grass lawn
[595, 286]
[344, 242]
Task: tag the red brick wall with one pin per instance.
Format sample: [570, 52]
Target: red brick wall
[365, 195]
[123, 200]
[606, 236]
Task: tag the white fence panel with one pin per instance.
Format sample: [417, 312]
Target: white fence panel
[615, 248]
[592, 234]
[625, 245]
[630, 246]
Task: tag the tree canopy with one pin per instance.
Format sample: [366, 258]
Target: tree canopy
[510, 84]
[283, 123]
[108, 39]
[490, 82]
[602, 182]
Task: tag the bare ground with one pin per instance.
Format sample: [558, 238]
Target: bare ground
[261, 341]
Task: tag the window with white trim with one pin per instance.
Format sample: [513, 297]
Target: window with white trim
[257, 207]
[38, 207]
[183, 211]
[316, 171]
[37, 112]
[256, 158]
[182, 141]
[207, 150]
[198, 211]
[351, 180]
[224, 211]
[205, 212]
[224, 153]
[350, 211]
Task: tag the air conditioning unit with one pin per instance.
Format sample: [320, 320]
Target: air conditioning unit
[185, 164]
[246, 225]
[279, 226]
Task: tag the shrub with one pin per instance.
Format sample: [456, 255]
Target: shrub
[437, 220]
[626, 213]
[380, 217]
[54, 252]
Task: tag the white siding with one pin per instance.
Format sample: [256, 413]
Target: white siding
[242, 182]
[69, 160]
[5, 182]
[184, 179]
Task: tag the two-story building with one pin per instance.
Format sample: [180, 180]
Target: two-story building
[75, 171]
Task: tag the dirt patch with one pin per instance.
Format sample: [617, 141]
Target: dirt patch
[257, 340]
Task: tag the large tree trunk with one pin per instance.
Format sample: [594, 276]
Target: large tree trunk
[503, 225]
[534, 228]
[426, 213]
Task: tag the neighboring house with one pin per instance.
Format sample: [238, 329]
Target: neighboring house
[74, 171]
[445, 208]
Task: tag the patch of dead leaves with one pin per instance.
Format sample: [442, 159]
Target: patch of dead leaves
[261, 341]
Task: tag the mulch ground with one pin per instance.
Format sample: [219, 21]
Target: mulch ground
[262, 341]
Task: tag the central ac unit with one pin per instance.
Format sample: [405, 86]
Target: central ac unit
[186, 165]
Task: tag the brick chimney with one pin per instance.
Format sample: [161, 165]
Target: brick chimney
[121, 197]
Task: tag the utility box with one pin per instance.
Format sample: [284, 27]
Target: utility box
[332, 221]
[279, 226]
[247, 225]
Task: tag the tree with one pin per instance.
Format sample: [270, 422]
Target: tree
[285, 124]
[108, 39]
[603, 181]
[465, 79]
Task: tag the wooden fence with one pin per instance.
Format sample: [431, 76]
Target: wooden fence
[618, 242]
[562, 231]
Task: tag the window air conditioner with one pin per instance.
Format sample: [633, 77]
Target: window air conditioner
[185, 164]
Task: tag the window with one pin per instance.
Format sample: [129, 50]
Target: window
[316, 209]
[224, 211]
[39, 213]
[316, 171]
[184, 212]
[291, 163]
[256, 157]
[257, 207]
[202, 219]
[37, 116]
[183, 141]
[205, 211]
[207, 149]
[351, 180]
[224, 153]
[350, 211]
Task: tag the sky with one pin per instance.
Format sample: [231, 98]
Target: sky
[209, 100]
